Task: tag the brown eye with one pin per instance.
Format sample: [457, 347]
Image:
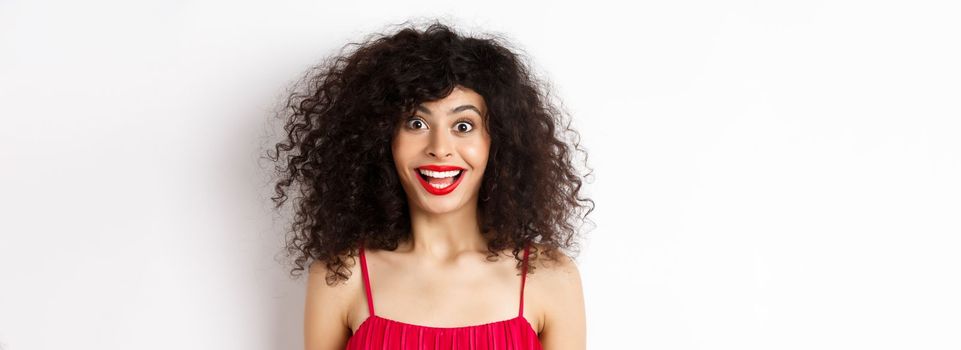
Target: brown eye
[414, 123]
[467, 129]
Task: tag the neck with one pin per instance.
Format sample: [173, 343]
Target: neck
[443, 237]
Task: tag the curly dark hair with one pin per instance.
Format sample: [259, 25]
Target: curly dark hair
[340, 119]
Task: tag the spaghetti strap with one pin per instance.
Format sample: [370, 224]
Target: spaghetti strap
[384, 333]
[520, 312]
[363, 269]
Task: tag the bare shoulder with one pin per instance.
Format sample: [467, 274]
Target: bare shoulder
[560, 299]
[556, 263]
[320, 279]
[326, 324]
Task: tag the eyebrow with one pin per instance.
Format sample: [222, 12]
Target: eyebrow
[457, 109]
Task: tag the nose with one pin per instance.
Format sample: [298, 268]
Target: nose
[440, 146]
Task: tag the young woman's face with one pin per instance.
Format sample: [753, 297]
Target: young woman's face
[441, 150]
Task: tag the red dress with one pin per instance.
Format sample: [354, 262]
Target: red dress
[381, 333]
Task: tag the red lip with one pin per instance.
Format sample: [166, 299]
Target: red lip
[440, 167]
[435, 191]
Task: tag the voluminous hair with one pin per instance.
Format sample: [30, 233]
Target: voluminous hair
[336, 153]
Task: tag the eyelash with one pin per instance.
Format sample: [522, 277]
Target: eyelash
[466, 121]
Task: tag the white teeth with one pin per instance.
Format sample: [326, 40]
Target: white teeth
[439, 174]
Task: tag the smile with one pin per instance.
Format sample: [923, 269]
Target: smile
[439, 180]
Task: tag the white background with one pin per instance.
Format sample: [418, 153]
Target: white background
[767, 175]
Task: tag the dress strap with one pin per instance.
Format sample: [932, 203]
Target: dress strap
[363, 269]
[520, 312]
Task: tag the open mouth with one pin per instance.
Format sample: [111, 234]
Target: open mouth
[439, 182]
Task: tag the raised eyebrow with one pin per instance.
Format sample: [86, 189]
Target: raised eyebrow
[464, 108]
[457, 109]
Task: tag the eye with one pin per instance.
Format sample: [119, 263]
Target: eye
[469, 126]
[416, 123]
[411, 123]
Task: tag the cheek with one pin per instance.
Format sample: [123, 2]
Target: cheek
[400, 150]
[476, 154]
[401, 145]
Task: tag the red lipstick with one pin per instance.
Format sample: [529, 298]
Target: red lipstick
[440, 167]
[439, 191]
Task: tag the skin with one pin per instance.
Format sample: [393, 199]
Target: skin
[441, 277]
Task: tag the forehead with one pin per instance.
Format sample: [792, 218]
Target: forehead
[460, 99]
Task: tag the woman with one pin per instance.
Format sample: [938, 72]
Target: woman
[429, 167]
